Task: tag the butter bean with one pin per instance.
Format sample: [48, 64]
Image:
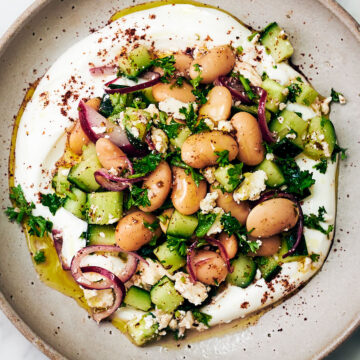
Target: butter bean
[269, 246]
[230, 244]
[218, 106]
[109, 155]
[163, 91]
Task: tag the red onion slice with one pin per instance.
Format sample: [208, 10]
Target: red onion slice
[114, 283]
[152, 78]
[103, 70]
[267, 135]
[190, 261]
[113, 182]
[79, 277]
[58, 243]
[274, 194]
[222, 250]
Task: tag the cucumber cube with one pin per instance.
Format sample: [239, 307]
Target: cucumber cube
[268, 266]
[275, 178]
[104, 207]
[169, 259]
[275, 94]
[183, 134]
[307, 94]
[222, 176]
[287, 242]
[138, 298]
[164, 295]
[244, 271]
[75, 203]
[138, 61]
[143, 330]
[60, 183]
[182, 225]
[101, 234]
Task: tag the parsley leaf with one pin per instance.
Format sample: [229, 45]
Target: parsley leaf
[294, 91]
[201, 317]
[52, 201]
[297, 181]
[321, 166]
[40, 257]
[177, 244]
[205, 223]
[312, 221]
[201, 93]
[138, 197]
[39, 226]
[167, 64]
[151, 226]
[196, 82]
[335, 96]
[170, 130]
[235, 175]
[246, 84]
[192, 121]
[314, 257]
[338, 150]
[146, 164]
[223, 157]
[179, 81]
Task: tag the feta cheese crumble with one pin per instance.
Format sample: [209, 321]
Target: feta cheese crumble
[251, 187]
[159, 139]
[209, 174]
[194, 293]
[172, 106]
[225, 126]
[209, 202]
[216, 227]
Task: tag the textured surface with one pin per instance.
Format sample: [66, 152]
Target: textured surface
[329, 54]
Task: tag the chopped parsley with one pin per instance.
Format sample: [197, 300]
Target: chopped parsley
[239, 49]
[338, 150]
[171, 130]
[246, 84]
[201, 93]
[235, 175]
[314, 257]
[335, 96]
[146, 164]
[179, 81]
[193, 123]
[196, 82]
[313, 221]
[201, 317]
[223, 157]
[177, 244]
[321, 166]
[138, 197]
[52, 201]
[151, 226]
[205, 223]
[167, 64]
[40, 257]
[38, 225]
[294, 91]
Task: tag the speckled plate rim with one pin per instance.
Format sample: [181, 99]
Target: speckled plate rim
[7, 309]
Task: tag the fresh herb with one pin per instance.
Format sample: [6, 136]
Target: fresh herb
[297, 181]
[251, 37]
[40, 257]
[146, 164]
[118, 102]
[205, 223]
[39, 226]
[171, 130]
[269, 149]
[223, 157]
[338, 150]
[300, 115]
[177, 244]
[52, 201]
[167, 64]
[179, 81]
[193, 123]
[196, 82]
[335, 96]
[201, 93]
[239, 49]
[313, 221]
[151, 226]
[246, 84]
[315, 257]
[294, 91]
[235, 175]
[175, 159]
[201, 317]
[321, 166]
[138, 197]
[299, 79]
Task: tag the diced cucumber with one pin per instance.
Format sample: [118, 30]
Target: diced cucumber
[82, 174]
[101, 235]
[140, 331]
[104, 207]
[60, 183]
[138, 298]
[321, 138]
[291, 130]
[251, 109]
[164, 295]
[135, 121]
[268, 266]
[275, 94]
[182, 225]
[138, 61]
[183, 134]
[244, 271]
[307, 94]
[76, 203]
[287, 242]
[169, 259]
[275, 177]
[222, 176]
[276, 42]
[149, 95]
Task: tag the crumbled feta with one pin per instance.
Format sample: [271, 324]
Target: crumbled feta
[162, 318]
[153, 111]
[251, 187]
[135, 132]
[149, 321]
[113, 171]
[98, 129]
[209, 202]
[285, 91]
[258, 274]
[209, 123]
[325, 105]
[225, 126]
[65, 172]
[342, 99]
[194, 293]
[270, 157]
[307, 264]
[216, 227]
[185, 323]
[159, 139]
[248, 71]
[291, 136]
[209, 174]
[282, 106]
[173, 106]
[98, 298]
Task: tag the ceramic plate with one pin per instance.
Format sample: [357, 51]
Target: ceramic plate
[307, 325]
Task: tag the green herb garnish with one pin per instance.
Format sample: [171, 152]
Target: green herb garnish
[201, 317]
[246, 84]
[146, 164]
[193, 123]
[294, 91]
[205, 223]
[321, 166]
[313, 221]
[335, 96]
[52, 201]
[177, 244]
[196, 82]
[167, 64]
[338, 150]
[235, 175]
[315, 257]
[223, 157]
[40, 257]
[138, 197]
